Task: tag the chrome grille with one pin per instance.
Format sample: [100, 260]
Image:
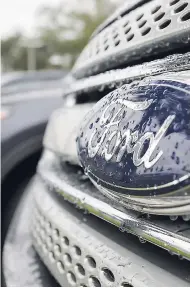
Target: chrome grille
[67, 257]
[81, 192]
[74, 246]
[115, 78]
[154, 27]
[120, 12]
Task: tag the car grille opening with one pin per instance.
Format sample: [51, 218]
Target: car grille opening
[152, 31]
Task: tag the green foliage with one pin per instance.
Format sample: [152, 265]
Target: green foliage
[12, 53]
[63, 32]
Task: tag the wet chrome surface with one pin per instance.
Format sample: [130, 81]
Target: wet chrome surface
[159, 26]
[114, 78]
[123, 10]
[170, 236]
[67, 239]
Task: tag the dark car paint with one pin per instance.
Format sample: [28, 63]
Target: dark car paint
[16, 82]
[22, 132]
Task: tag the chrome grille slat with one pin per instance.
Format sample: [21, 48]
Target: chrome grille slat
[128, 39]
[173, 63]
[164, 236]
[81, 241]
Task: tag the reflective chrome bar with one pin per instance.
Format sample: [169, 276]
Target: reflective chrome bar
[101, 81]
[127, 221]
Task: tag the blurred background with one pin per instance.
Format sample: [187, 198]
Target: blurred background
[48, 34]
[40, 41]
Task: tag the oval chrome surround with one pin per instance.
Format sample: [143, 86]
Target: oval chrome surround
[134, 144]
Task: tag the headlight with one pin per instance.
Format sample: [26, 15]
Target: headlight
[62, 130]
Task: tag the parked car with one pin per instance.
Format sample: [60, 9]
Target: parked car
[23, 81]
[25, 110]
[111, 199]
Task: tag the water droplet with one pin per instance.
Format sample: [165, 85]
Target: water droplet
[142, 240]
[99, 139]
[174, 177]
[173, 155]
[122, 227]
[83, 200]
[124, 113]
[186, 217]
[179, 108]
[173, 217]
[180, 257]
[177, 127]
[91, 125]
[177, 160]
[86, 171]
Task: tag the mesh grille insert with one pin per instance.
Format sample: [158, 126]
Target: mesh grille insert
[65, 241]
[155, 24]
[154, 10]
[165, 24]
[92, 258]
[76, 251]
[66, 257]
[60, 267]
[173, 2]
[80, 270]
[90, 262]
[145, 31]
[180, 7]
[186, 16]
[71, 278]
[63, 255]
[159, 16]
[94, 282]
[125, 284]
[108, 274]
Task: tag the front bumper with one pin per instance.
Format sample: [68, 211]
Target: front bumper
[85, 250]
[77, 189]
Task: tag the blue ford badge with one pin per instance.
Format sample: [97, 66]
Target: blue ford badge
[136, 140]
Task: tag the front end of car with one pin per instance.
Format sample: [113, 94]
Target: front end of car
[110, 202]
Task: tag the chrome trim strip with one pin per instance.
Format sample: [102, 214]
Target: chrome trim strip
[175, 63]
[126, 221]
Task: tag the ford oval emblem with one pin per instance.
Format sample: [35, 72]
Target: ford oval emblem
[136, 140]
